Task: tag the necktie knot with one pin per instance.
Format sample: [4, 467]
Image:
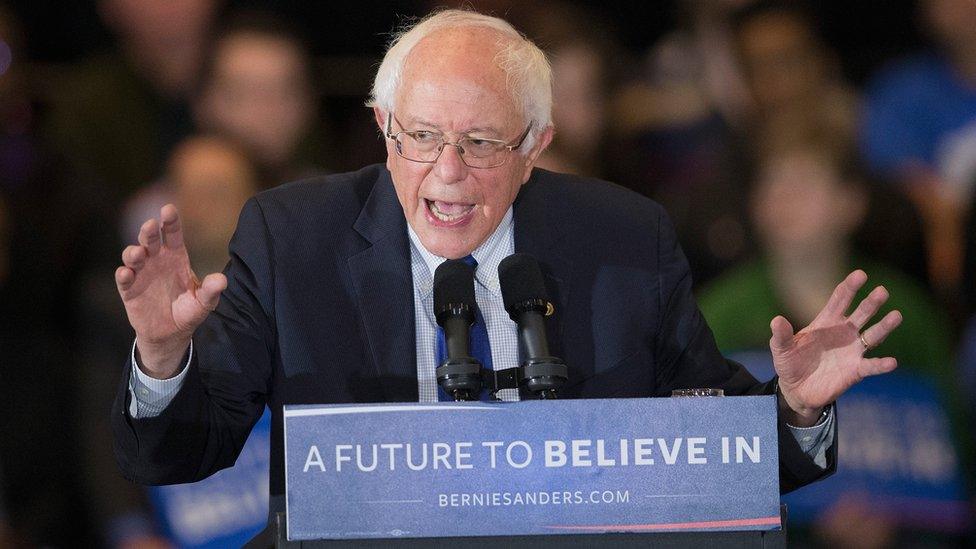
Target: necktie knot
[470, 260]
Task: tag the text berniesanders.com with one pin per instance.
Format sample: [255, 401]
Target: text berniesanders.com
[499, 499]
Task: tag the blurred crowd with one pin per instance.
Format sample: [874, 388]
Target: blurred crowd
[780, 171]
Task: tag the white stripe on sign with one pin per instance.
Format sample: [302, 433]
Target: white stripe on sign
[374, 409]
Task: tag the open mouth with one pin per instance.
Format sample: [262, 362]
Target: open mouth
[448, 213]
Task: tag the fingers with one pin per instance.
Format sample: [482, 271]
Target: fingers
[149, 236]
[876, 334]
[208, 294]
[124, 277]
[782, 338]
[172, 227]
[874, 366]
[134, 257]
[868, 307]
[843, 294]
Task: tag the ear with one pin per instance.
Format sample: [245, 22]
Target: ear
[380, 116]
[541, 142]
[381, 121]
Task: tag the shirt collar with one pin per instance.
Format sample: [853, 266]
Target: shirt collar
[489, 254]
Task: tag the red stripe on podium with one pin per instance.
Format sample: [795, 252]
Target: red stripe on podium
[763, 521]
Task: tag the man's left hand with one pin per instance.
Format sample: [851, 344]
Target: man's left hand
[818, 363]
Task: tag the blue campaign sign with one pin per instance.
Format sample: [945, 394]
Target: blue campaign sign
[895, 453]
[226, 509]
[535, 467]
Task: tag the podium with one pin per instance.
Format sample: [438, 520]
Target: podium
[604, 472]
[275, 536]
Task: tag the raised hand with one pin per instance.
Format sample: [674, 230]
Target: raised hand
[818, 363]
[163, 298]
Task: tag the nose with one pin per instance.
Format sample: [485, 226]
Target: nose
[449, 166]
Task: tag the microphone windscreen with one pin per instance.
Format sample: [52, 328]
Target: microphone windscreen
[521, 280]
[453, 285]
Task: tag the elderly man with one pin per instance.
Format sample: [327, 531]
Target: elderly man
[327, 296]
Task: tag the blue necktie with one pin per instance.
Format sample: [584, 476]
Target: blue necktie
[480, 348]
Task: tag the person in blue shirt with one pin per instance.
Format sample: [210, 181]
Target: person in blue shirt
[919, 130]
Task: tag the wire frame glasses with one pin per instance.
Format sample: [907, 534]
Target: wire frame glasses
[426, 146]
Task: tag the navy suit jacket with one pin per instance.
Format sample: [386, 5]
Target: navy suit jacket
[319, 309]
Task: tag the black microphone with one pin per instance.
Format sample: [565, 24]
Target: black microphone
[454, 307]
[524, 294]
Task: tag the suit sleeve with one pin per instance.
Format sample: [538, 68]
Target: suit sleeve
[688, 357]
[205, 426]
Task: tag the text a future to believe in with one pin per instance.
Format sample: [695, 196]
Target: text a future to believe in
[519, 454]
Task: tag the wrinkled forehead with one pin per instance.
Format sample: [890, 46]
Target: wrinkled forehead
[467, 56]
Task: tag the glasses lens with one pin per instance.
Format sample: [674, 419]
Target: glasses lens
[419, 146]
[422, 146]
[483, 153]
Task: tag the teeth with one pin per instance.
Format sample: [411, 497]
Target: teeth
[447, 217]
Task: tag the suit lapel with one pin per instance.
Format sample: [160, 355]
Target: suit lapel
[383, 279]
[540, 220]
[384, 289]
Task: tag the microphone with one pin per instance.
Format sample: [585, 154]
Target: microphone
[454, 308]
[525, 298]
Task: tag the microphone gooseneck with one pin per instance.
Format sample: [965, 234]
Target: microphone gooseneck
[527, 303]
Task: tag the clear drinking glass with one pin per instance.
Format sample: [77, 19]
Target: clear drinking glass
[698, 392]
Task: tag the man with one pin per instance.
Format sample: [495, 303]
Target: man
[327, 294]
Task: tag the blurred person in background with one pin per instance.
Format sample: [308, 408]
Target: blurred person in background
[117, 115]
[792, 77]
[256, 88]
[578, 108]
[734, 70]
[919, 130]
[808, 201]
[585, 60]
[210, 178]
[51, 231]
[673, 140]
[798, 95]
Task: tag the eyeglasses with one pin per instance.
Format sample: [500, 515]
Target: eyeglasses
[426, 146]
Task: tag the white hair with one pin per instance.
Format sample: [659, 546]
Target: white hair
[529, 76]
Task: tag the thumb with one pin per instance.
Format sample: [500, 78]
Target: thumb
[782, 338]
[208, 294]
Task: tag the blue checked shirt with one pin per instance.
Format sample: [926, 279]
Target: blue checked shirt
[502, 330]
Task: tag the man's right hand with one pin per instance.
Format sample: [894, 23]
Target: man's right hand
[163, 298]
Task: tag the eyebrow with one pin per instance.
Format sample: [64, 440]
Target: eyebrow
[422, 122]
